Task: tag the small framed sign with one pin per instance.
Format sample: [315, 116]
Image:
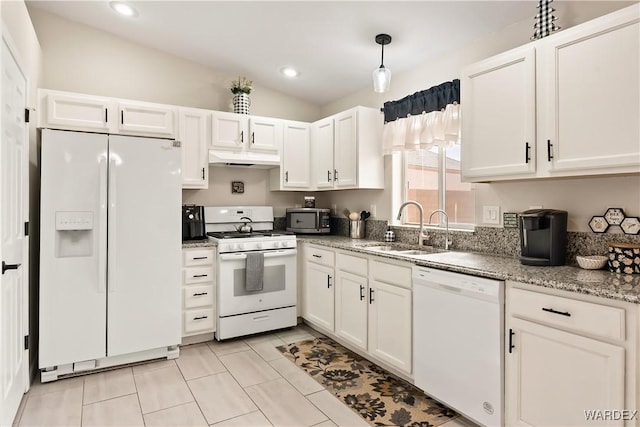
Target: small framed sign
[237, 187]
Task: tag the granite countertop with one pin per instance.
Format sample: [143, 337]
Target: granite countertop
[204, 243]
[600, 283]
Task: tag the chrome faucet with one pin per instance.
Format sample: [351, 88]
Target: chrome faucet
[447, 239]
[419, 206]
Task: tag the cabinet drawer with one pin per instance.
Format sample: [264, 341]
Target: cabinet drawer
[579, 316]
[197, 296]
[198, 275]
[351, 264]
[198, 320]
[319, 256]
[197, 257]
[390, 273]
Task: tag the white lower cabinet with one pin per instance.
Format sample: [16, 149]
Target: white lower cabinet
[317, 292]
[371, 304]
[566, 357]
[198, 293]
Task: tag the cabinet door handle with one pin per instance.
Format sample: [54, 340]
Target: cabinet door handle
[561, 313]
[199, 257]
[316, 256]
[253, 137]
[241, 137]
[549, 150]
[202, 173]
[335, 174]
[6, 266]
[121, 117]
[199, 294]
[371, 300]
[511, 346]
[527, 157]
[200, 317]
[106, 115]
[286, 176]
[328, 281]
[361, 292]
[200, 275]
[328, 176]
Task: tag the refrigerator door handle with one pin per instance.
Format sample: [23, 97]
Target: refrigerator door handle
[111, 257]
[102, 231]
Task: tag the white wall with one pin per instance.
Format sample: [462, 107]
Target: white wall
[79, 58]
[581, 197]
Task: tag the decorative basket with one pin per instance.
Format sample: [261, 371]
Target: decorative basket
[241, 103]
[592, 262]
[624, 258]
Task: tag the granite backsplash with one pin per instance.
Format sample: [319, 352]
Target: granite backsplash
[489, 240]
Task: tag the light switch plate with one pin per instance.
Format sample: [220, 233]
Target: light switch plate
[491, 215]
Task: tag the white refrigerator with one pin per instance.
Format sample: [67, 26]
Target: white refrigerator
[110, 248]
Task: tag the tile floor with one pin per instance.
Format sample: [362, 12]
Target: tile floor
[244, 382]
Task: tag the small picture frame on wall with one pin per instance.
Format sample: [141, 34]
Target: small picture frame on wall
[237, 187]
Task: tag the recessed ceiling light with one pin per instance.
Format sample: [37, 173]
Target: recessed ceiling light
[123, 8]
[290, 72]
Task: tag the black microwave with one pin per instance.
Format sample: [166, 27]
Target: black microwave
[308, 220]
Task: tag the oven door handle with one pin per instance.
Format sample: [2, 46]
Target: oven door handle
[267, 254]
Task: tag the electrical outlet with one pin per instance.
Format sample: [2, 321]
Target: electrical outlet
[372, 210]
[334, 209]
[491, 214]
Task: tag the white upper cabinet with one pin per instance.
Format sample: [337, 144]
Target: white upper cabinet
[296, 150]
[193, 134]
[74, 111]
[498, 98]
[565, 105]
[590, 105]
[241, 132]
[322, 148]
[347, 150]
[141, 118]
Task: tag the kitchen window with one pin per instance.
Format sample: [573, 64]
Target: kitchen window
[432, 178]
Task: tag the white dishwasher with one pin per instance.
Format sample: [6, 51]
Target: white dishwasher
[458, 342]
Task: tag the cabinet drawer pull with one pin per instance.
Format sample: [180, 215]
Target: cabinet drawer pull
[361, 292]
[202, 173]
[253, 137]
[527, 148]
[121, 117]
[200, 275]
[561, 313]
[241, 137]
[549, 150]
[316, 256]
[328, 176]
[286, 176]
[199, 294]
[371, 300]
[328, 281]
[335, 174]
[106, 115]
[200, 317]
[199, 257]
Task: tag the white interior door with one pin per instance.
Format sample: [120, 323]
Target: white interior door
[73, 227]
[144, 255]
[13, 196]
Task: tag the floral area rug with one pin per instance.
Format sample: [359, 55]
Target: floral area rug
[379, 397]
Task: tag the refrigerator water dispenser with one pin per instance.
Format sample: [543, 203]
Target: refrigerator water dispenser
[74, 234]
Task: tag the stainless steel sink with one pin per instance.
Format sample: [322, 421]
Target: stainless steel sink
[401, 251]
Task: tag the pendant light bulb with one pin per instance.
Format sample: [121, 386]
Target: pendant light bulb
[382, 75]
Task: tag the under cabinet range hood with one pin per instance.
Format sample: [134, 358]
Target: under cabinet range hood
[243, 159]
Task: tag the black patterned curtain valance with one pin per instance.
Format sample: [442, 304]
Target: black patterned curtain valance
[435, 98]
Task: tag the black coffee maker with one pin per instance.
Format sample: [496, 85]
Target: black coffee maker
[543, 237]
[193, 222]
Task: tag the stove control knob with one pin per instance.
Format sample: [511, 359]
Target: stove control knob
[259, 245]
[232, 246]
[223, 248]
[241, 246]
[276, 244]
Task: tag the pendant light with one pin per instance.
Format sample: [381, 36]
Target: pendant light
[382, 75]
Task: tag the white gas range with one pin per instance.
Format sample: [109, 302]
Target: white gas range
[255, 271]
